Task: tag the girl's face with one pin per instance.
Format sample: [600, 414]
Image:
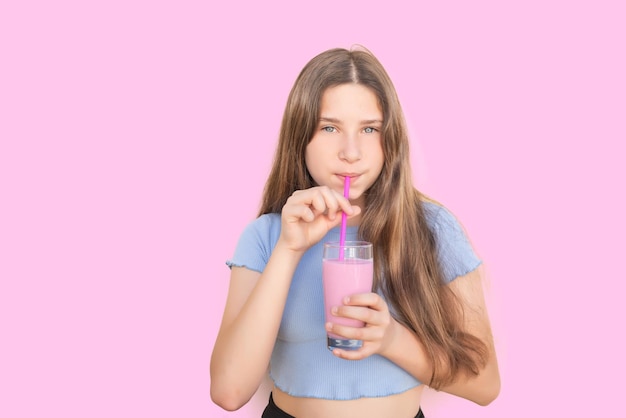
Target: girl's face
[347, 141]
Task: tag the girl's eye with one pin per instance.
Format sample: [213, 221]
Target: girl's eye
[369, 130]
[328, 129]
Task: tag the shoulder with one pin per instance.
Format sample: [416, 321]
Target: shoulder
[264, 228]
[256, 243]
[442, 222]
[268, 221]
[454, 249]
[437, 215]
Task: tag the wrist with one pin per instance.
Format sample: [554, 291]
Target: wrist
[283, 249]
[405, 349]
[391, 338]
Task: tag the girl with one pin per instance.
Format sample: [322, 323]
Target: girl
[426, 321]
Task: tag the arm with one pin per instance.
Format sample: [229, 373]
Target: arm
[256, 301]
[392, 340]
[481, 389]
[485, 387]
[249, 327]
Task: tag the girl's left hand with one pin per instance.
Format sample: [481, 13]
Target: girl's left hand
[379, 327]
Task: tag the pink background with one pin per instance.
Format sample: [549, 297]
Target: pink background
[136, 137]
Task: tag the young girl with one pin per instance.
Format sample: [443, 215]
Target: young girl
[426, 321]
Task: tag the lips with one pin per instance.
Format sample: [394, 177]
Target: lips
[351, 175]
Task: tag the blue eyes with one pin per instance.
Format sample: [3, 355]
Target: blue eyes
[331, 129]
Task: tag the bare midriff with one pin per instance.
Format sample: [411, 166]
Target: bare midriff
[405, 404]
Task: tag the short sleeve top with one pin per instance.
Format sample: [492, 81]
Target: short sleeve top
[301, 364]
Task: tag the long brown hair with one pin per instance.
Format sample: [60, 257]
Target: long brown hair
[407, 271]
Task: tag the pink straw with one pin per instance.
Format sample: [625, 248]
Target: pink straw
[342, 235]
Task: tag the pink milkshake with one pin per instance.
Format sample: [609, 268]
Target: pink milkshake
[343, 276]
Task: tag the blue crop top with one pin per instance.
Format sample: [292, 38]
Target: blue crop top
[301, 364]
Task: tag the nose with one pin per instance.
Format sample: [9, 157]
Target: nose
[350, 150]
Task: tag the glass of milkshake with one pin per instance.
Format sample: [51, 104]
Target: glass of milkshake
[346, 269]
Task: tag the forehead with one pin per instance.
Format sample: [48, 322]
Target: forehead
[350, 99]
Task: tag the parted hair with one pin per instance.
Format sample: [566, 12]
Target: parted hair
[406, 272]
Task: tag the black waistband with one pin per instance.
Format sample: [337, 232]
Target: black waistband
[273, 411]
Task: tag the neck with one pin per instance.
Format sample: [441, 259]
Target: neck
[355, 221]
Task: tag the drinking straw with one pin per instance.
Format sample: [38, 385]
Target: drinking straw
[342, 235]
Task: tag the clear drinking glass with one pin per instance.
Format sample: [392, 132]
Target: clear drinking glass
[346, 270]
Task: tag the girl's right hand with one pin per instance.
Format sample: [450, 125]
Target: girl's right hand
[309, 214]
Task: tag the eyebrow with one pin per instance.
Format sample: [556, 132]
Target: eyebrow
[363, 122]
